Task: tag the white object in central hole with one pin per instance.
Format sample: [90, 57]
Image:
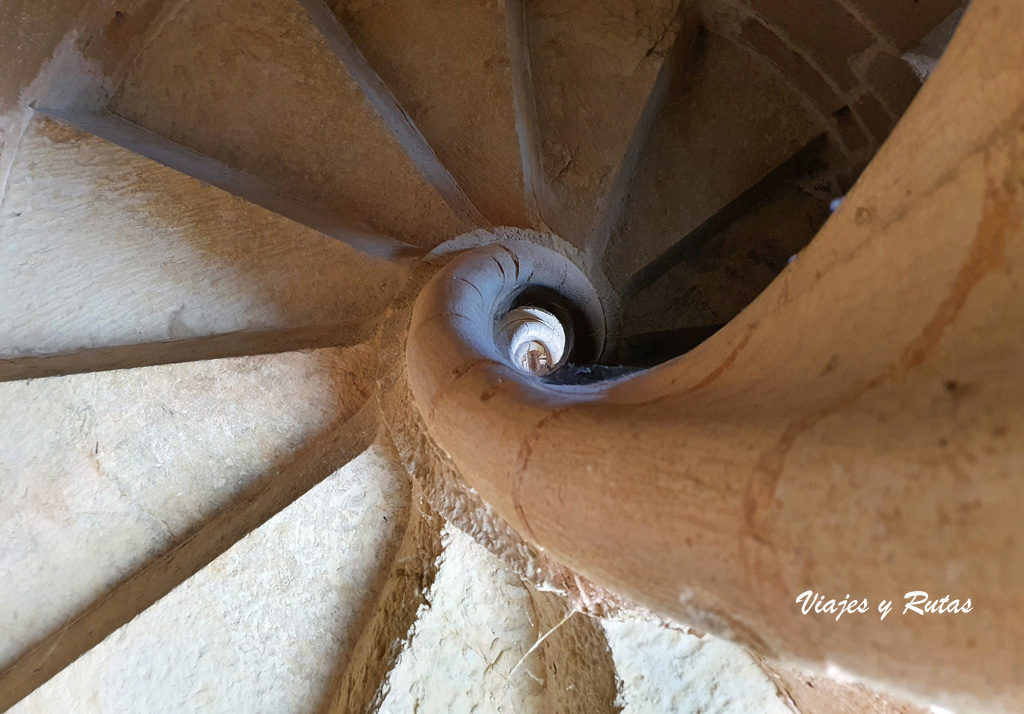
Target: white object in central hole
[536, 340]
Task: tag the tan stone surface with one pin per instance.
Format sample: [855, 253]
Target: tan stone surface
[664, 670]
[904, 22]
[807, 694]
[732, 269]
[829, 33]
[466, 651]
[106, 34]
[31, 30]
[254, 85]
[593, 67]
[894, 80]
[734, 119]
[260, 629]
[408, 572]
[855, 430]
[579, 673]
[707, 489]
[466, 642]
[103, 471]
[101, 247]
[448, 65]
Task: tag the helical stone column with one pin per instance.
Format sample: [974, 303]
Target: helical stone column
[857, 431]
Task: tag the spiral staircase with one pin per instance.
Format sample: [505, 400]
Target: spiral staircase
[520, 324]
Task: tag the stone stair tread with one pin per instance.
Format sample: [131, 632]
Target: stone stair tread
[255, 86]
[130, 252]
[447, 64]
[733, 121]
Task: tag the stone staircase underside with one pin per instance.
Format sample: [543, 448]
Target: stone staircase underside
[205, 210]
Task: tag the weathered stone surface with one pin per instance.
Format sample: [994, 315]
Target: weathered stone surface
[706, 148]
[470, 649]
[100, 247]
[905, 22]
[594, 65]
[665, 670]
[828, 32]
[808, 694]
[732, 268]
[261, 627]
[792, 63]
[854, 430]
[894, 80]
[447, 63]
[875, 116]
[254, 85]
[101, 472]
[465, 644]
[29, 39]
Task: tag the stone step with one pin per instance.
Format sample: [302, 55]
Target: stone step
[448, 65]
[256, 86]
[112, 260]
[261, 628]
